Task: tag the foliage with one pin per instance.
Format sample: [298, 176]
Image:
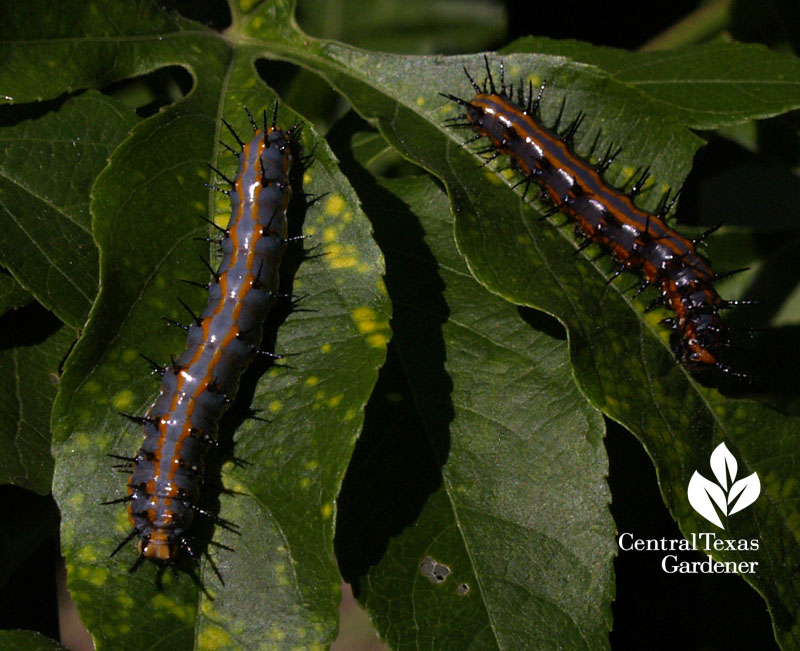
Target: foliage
[427, 322]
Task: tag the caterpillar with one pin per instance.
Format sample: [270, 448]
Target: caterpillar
[603, 214]
[196, 388]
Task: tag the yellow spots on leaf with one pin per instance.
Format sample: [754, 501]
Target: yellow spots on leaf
[350, 414]
[125, 600]
[221, 219]
[258, 22]
[343, 262]
[129, 355]
[339, 256]
[157, 303]
[368, 323]
[80, 441]
[207, 609]
[277, 634]
[525, 240]
[273, 372]
[325, 348]
[275, 406]
[246, 5]
[182, 612]
[213, 636]
[335, 204]
[329, 234]
[311, 231]
[653, 318]
[378, 340]
[87, 554]
[92, 386]
[334, 401]
[446, 110]
[122, 523]
[535, 80]
[508, 173]
[720, 411]
[312, 381]
[492, 177]
[628, 172]
[76, 501]
[281, 574]
[366, 319]
[420, 101]
[94, 574]
[123, 400]
[305, 482]
[312, 465]
[327, 510]
[221, 203]
[319, 395]
[307, 178]
[236, 487]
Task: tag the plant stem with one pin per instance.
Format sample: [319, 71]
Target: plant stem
[698, 26]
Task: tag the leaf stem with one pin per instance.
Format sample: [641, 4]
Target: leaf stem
[697, 27]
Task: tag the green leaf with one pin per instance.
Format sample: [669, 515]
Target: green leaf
[48, 247]
[620, 355]
[75, 45]
[47, 166]
[473, 388]
[705, 86]
[283, 570]
[419, 26]
[35, 345]
[281, 584]
[27, 641]
[12, 294]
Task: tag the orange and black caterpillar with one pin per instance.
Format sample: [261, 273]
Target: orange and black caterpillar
[181, 425]
[602, 214]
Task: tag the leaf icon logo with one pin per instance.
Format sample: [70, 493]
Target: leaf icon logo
[727, 495]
